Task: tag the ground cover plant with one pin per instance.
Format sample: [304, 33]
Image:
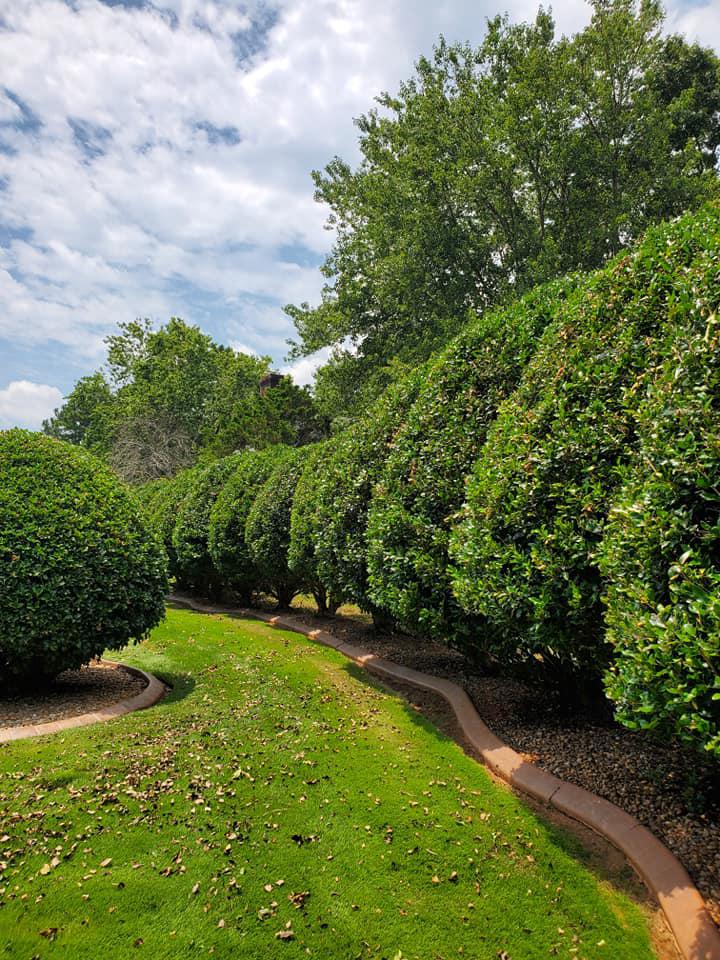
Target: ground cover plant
[279, 803]
[80, 569]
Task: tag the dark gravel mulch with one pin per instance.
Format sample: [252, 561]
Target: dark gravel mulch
[666, 787]
[71, 693]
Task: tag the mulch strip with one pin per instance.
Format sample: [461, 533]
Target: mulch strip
[71, 694]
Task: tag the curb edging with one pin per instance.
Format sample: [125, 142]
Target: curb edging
[695, 933]
[152, 693]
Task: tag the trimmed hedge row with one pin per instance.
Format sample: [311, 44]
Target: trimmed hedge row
[227, 545]
[544, 492]
[527, 550]
[80, 570]
[422, 485]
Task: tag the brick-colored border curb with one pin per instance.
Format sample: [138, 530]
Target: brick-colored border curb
[697, 936]
[153, 692]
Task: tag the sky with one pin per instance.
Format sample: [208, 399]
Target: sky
[155, 160]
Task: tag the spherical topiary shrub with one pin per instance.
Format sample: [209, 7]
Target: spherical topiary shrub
[305, 530]
[226, 540]
[194, 564]
[422, 485]
[80, 570]
[526, 553]
[661, 550]
[267, 531]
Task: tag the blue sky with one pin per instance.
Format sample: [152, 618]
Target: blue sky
[155, 161]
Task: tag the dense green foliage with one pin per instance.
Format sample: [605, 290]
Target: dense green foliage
[267, 529]
[526, 552]
[661, 550]
[422, 485]
[192, 528]
[353, 465]
[305, 530]
[80, 570]
[495, 169]
[162, 511]
[228, 547]
[174, 397]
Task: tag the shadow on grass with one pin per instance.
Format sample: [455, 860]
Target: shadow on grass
[181, 685]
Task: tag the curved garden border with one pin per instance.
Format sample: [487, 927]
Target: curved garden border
[153, 692]
[697, 936]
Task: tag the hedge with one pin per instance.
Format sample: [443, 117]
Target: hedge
[162, 511]
[81, 571]
[354, 464]
[305, 531]
[226, 540]
[526, 552]
[190, 535]
[423, 483]
[267, 530]
[661, 550]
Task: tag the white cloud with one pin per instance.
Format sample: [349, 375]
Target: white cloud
[147, 171]
[26, 404]
[303, 370]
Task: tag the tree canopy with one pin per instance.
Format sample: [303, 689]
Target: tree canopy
[496, 168]
[172, 396]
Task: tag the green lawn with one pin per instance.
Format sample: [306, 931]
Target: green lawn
[280, 804]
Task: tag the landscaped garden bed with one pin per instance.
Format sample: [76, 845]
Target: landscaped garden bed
[70, 694]
[281, 802]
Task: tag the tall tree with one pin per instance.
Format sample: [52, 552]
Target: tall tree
[496, 168]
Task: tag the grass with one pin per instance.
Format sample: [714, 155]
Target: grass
[280, 804]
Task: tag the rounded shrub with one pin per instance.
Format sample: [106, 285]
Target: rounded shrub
[305, 530]
[228, 548]
[162, 510]
[193, 561]
[267, 530]
[423, 482]
[661, 550]
[353, 465]
[81, 571]
[526, 552]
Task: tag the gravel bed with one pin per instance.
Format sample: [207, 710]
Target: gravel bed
[71, 693]
[667, 788]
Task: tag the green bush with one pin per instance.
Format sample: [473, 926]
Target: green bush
[661, 551]
[267, 530]
[304, 528]
[193, 561]
[228, 548]
[423, 482]
[162, 510]
[354, 463]
[526, 551]
[80, 570]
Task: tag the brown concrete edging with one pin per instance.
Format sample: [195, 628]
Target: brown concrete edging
[697, 936]
[153, 692]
